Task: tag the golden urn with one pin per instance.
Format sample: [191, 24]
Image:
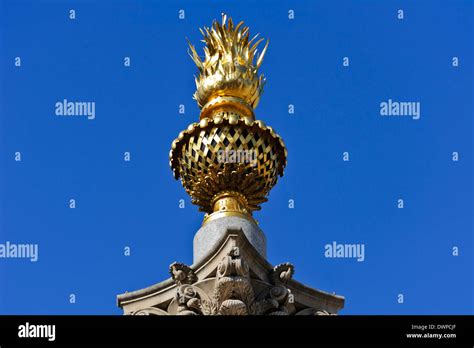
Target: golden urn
[228, 161]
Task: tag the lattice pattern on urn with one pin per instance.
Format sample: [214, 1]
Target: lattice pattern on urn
[228, 88]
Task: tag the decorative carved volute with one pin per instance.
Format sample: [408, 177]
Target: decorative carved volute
[226, 286]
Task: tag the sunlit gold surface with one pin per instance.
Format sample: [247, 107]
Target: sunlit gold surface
[228, 89]
[228, 67]
[220, 214]
[227, 104]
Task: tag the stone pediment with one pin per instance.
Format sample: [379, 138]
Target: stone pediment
[231, 279]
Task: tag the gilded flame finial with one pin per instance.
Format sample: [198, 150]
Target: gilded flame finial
[228, 162]
[229, 70]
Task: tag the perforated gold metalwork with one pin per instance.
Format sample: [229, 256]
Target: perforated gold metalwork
[227, 125]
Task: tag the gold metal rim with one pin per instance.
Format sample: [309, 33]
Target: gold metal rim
[225, 103]
[220, 214]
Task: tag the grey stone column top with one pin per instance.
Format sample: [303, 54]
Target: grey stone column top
[210, 234]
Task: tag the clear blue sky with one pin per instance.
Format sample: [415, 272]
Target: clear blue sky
[81, 251]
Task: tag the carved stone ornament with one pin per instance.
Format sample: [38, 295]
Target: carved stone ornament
[231, 287]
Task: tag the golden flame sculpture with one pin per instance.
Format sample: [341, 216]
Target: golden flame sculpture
[228, 162]
[228, 67]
